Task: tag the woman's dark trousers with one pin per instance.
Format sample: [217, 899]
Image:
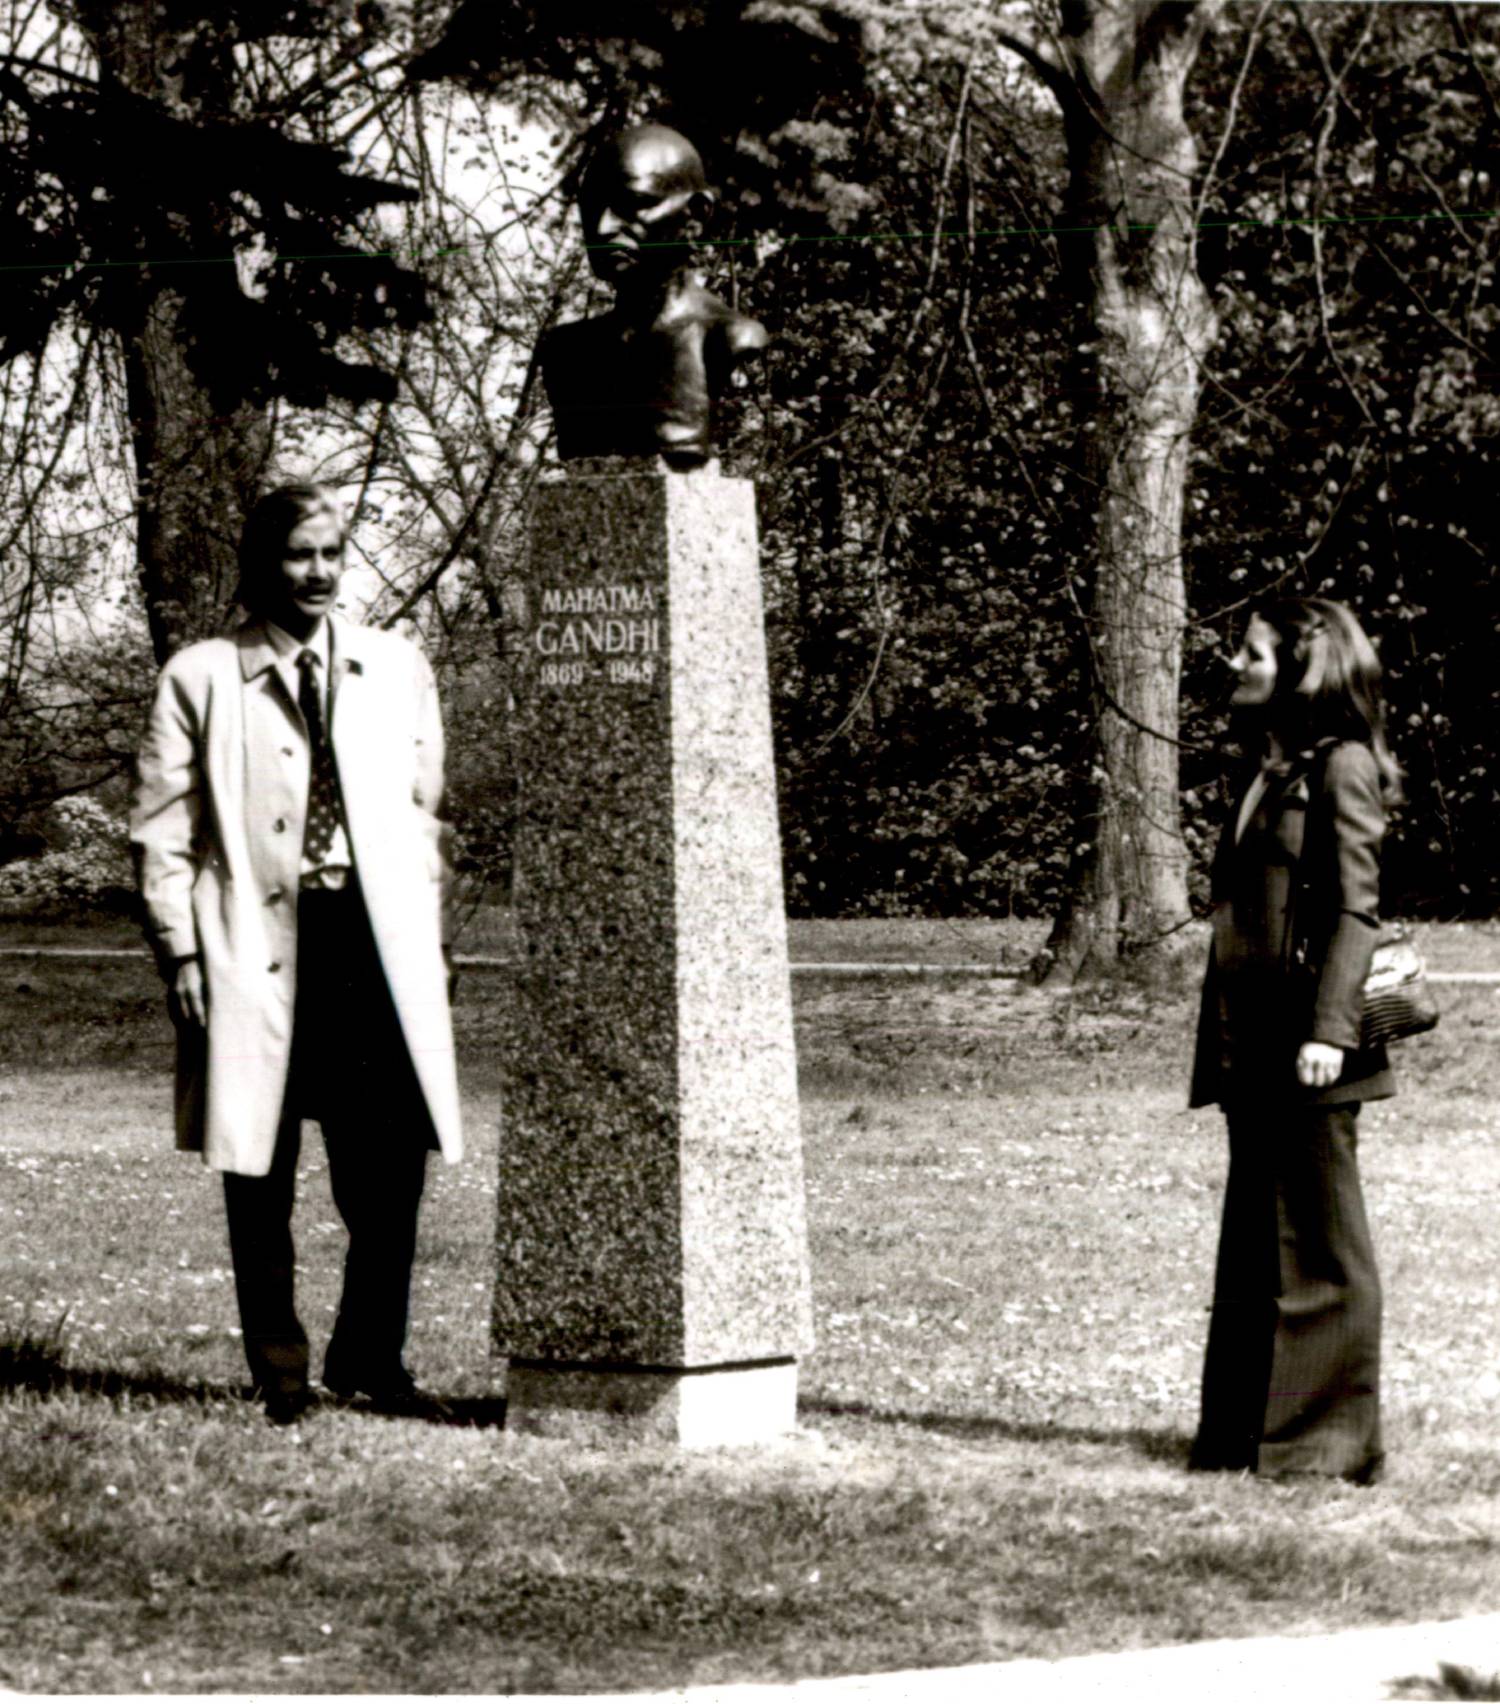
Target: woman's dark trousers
[1292, 1373]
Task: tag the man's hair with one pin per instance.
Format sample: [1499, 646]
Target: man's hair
[270, 523]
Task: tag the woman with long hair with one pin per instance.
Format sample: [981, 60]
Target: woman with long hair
[1291, 1376]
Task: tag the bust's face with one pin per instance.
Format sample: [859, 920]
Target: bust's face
[639, 202]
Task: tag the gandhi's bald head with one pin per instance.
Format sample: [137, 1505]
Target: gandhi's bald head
[640, 198]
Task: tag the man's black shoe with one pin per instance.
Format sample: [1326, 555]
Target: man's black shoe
[286, 1407]
[393, 1394]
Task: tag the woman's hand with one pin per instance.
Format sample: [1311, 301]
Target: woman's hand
[188, 995]
[1318, 1064]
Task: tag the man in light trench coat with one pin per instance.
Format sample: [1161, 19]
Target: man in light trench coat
[291, 863]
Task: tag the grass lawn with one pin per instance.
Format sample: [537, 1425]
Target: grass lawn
[487, 931]
[1013, 1223]
[1006, 944]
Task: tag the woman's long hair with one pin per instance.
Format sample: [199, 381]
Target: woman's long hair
[270, 523]
[1328, 681]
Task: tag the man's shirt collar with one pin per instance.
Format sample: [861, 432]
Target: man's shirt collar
[288, 649]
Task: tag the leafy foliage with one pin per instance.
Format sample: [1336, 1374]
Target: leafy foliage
[1348, 445]
[88, 868]
[1345, 446]
[892, 192]
[90, 227]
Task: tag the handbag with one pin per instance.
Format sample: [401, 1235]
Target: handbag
[1397, 999]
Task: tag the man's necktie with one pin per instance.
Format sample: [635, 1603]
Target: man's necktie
[323, 791]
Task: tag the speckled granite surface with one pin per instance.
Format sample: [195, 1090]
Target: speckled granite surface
[651, 1199]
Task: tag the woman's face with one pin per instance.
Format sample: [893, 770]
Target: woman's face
[1254, 664]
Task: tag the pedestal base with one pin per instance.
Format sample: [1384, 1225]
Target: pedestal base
[699, 1407]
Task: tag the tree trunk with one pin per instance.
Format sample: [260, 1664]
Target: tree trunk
[1148, 323]
[198, 463]
[197, 474]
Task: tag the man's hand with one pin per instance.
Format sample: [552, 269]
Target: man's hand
[189, 998]
[1318, 1064]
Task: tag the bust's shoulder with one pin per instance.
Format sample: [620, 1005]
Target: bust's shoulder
[744, 336]
[737, 332]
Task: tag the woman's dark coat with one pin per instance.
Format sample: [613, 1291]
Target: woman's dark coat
[1295, 919]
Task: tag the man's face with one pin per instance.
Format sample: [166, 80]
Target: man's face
[302, 587]
[637, 206]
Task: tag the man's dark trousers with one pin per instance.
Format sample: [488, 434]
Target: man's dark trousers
[350, 1071]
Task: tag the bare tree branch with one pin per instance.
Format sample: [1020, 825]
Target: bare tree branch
[1231, 115]
[1320, 181]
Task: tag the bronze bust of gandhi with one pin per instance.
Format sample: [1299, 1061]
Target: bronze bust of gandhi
[643, 379]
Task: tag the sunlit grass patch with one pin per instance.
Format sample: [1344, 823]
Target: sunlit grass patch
[1013, 1220]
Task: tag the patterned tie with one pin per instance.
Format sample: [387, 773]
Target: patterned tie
[323, 792]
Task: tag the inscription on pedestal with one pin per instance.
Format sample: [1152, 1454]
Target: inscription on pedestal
[606, 632]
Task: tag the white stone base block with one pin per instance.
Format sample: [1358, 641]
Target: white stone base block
[699, 1408]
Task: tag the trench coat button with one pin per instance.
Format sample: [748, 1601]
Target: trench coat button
[274, 966]
[279, 825]
[275, 897]
[286, 751]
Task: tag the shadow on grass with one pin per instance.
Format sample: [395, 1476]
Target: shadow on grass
[36, 1366]
[1453, 1680]
[39, 1368]
[1168, 1447]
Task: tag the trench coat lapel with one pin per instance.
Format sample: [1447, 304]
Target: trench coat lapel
[257, 653]
[347, 657]
[259, 657]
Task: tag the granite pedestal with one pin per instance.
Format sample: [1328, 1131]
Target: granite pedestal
[652, 1246]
